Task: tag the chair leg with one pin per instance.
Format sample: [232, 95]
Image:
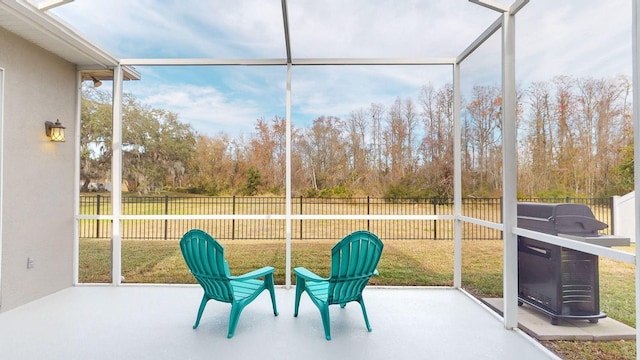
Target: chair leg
[326, 321]
[364, 313]
[268, 280]
[236, 309]
[203, 303]
[299, 289]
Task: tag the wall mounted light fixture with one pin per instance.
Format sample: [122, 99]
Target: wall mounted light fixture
[96, 82]
[55, 131]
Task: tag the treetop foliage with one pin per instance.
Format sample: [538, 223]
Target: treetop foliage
[573, 140]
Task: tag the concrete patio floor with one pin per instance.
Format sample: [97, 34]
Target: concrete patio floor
[154, 322]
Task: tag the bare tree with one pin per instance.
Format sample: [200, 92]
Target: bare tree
[376, 112]
[484, 111]
[436, 148]
[537, 160]
[267, 151]
[211, 168]
[325, 153]
[396, 139]
[600, 103]
[411, 120]
[357, 126]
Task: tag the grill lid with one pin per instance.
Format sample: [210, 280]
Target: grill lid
[568, 224]
[570, 219]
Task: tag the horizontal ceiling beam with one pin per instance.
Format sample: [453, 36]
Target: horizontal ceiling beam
[302, 61]
[375, 61]
[516, 6]
[50, 4]
[202, 62]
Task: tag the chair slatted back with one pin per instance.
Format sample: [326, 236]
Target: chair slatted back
[205, 258]
[353, 261]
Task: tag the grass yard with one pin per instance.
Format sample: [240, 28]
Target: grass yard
[403, 263]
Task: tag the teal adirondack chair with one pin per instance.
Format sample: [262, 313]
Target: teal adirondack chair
[205, 258]
[353, 262]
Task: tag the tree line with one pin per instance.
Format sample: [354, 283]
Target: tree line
[574, 139]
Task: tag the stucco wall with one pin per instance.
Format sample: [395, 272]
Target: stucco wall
[38, 183]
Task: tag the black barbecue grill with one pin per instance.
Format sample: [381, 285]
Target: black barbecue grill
[561, 282]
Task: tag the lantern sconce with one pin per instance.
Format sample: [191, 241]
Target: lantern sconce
[55, 131]
[96, 82]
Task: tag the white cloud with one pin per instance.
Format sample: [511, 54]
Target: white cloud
[364, 28]
[207, 109]
[186, 28]
[339, 90]
[580, 38]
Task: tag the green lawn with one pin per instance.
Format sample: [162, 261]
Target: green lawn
[406, 263]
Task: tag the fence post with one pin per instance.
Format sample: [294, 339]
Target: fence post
[98, 213]
[233, 221]
[435, 223]
[611, 216]
[301, 203]
[501, 207]
[368, 212]
[166, 212]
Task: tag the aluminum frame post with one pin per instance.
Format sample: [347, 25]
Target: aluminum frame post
[288, 205]
[76, 181]
[457, 179]
[636, 151]
[509, 170]
[116, 179]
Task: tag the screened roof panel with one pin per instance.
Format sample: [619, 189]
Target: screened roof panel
[193, 28]
[552, 38]
[254, 29]
[384, 28]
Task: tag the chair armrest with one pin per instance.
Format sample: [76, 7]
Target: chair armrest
[307, 275]
[264, 271]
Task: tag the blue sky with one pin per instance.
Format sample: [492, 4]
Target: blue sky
[569, 37]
